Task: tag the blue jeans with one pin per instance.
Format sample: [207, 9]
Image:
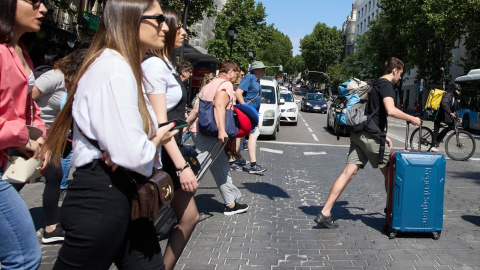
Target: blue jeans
[66, 169]
[19, 246]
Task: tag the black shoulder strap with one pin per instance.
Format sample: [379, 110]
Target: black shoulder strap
[147, 56]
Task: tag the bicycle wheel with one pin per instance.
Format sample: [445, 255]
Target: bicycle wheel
[426, 142]
[462, 150]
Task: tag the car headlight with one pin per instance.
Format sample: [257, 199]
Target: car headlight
[308, 104]
[324, 105]
[269, 114]
[292, 110]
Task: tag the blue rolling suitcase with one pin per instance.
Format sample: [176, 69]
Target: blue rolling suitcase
[415, 192]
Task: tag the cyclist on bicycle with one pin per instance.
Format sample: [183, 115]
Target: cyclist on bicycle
[446, 114]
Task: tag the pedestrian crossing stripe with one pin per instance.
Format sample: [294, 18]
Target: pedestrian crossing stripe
[271, 150]
[314, 153]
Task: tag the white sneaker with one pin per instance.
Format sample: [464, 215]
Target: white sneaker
[433, 149]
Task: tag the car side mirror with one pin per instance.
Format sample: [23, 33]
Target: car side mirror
[282, 101]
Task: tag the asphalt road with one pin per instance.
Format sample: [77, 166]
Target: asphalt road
[278, 231]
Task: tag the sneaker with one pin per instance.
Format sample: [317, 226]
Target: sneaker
[257, 169]
[235, 167]
[237, 209]
[57, 235]
[63, 193]
[433, 149]
[326, 222]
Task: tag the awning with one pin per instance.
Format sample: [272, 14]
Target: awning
[473, 75]
[196, 54]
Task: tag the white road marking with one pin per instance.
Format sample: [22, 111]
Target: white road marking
[300, 143]
[315, 137]
[271, 150]
[309, 129]
[314, 153]
[307, 126]
[396, 137]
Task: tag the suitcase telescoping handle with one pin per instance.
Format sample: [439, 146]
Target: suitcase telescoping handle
[419, 135]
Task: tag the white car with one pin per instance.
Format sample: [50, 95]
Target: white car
[269, 113]
[289, 110]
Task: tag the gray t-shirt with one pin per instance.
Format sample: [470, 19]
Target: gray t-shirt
[52, 85]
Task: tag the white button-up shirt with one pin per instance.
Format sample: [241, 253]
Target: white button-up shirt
[106, 109]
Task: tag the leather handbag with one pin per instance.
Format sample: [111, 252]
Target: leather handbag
[21, 169]
[153, 196]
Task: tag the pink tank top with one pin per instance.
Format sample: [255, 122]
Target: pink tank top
[218, 84]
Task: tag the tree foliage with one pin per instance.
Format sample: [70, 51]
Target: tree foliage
[276, 52]
[295, 65]
[253, 33]
[422, 33]
[321, 49]
[197, 9]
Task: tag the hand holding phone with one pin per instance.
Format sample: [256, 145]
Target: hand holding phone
[179, 123]
[164, 134]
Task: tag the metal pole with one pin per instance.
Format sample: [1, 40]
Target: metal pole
[185, 14]
[231, 48]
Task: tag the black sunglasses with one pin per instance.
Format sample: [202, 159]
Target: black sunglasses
[160, 18]
[35, 3]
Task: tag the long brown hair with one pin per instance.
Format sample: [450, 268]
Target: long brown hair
[173, 20]
[118, 30]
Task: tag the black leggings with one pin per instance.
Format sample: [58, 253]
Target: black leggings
[51, 193]
[96, 218]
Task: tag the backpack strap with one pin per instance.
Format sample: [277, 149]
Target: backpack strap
[254, 97]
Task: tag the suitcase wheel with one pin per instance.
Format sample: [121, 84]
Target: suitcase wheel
[436, 235]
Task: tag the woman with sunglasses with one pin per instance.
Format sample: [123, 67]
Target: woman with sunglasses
[168, 96]
[19, 247]
[109, 113]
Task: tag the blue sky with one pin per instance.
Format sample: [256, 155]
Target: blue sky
[296, 18]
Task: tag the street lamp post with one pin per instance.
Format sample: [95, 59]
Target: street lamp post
[232, 33]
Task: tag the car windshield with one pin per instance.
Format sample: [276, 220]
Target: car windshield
[268, 95]
[318, 97]
[287, 96]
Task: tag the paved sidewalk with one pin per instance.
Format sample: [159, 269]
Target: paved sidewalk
[278, 231]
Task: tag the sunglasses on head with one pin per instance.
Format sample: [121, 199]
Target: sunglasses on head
[160, 18]
[35, 3]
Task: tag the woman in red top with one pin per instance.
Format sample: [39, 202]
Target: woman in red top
[19, 247]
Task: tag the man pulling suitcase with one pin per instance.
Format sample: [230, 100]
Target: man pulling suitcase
[365, 146]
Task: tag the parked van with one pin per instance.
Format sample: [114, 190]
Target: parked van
[269, 113]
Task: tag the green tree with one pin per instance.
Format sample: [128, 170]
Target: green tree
[422, 33]
[321, 49]
[249, 20]
[295, 65]
[197, 10]
[382, 41]
[276, 52]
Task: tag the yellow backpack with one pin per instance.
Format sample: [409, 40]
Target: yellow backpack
[434, 99]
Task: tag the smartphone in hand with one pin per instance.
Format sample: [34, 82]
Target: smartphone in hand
[179, 123]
